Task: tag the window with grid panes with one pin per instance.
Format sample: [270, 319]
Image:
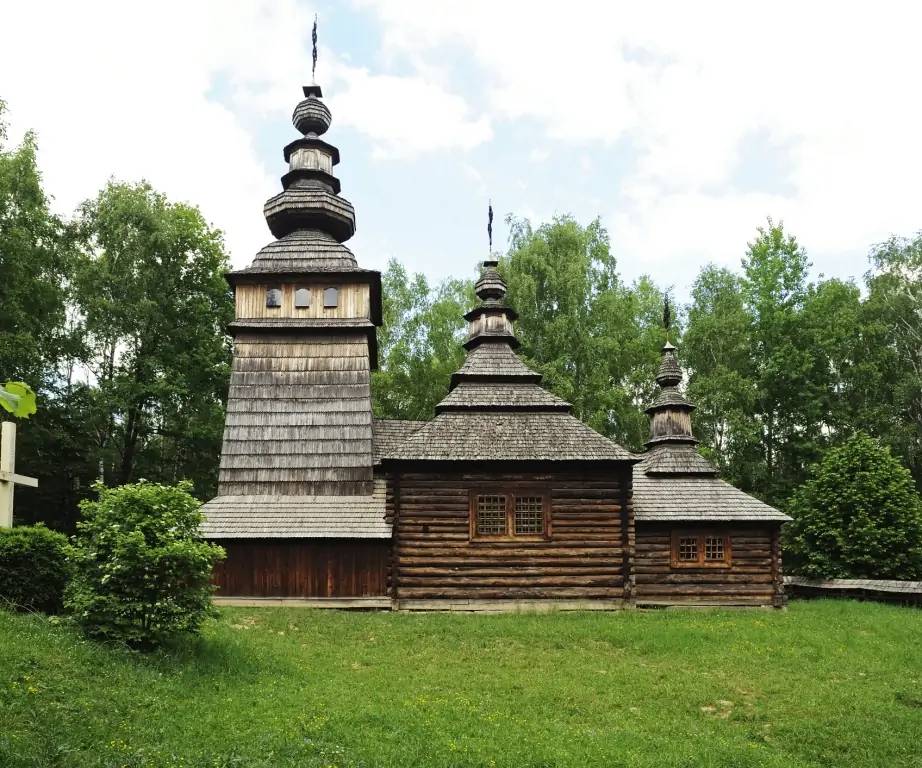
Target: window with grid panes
[528, 515]
[491, 515]
[695, 549]
[713, 548]
[688, 549]
[509, 513]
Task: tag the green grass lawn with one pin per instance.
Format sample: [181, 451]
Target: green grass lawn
[823, 683]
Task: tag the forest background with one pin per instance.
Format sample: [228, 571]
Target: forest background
[117, 315]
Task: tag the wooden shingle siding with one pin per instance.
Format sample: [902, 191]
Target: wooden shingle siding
[435, 557]
[303, 568]
[751, 578]
[298, 417]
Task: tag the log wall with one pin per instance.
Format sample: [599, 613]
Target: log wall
[303, 568]
[753, 577]
[584, 557]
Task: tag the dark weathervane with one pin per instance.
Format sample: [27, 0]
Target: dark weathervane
[667, 315]
[314, 40]
[490, 224]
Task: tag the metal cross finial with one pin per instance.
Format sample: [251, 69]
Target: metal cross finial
[490, 224]
[667, 315]
[314, 39]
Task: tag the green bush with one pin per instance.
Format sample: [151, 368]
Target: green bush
[34, 568]
[858, 516]
[142, 572]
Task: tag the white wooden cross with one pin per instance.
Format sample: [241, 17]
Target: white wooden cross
[8, 477]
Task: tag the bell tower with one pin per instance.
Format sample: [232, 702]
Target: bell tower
[299, 406]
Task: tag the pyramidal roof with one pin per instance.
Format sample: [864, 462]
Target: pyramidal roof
[673, 482]
[496, 409]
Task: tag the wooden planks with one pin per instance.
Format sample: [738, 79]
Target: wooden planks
[352, 302]
[752, 578]
[584, 557]
[303, 568]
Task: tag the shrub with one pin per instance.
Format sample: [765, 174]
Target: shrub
[142, 572]
[34, 568]
[858, 516]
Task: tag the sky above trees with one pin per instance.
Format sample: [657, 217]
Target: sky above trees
[682, 126]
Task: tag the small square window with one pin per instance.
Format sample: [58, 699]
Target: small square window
[302, 298]
[273, 297]
[714, 549]
[688, 549]
[529, 515]
[330, 298]
[491, 515]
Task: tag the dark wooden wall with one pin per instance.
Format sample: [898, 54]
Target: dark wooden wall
[303, 568]
[585, 557]
[753, 578]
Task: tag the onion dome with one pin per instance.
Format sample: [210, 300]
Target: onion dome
[491, 319]
[670, 412]
[308, 217]
[669, 374]
[312, 117]
[490, 287]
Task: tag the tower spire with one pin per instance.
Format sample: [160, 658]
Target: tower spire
[490, 226]
[670, 412]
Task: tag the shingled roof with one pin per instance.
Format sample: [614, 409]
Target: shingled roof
[497, 435]
[301, 517]
[304, 250]
[699, 498]
[390, 434]
[495, 409]
[674, 481]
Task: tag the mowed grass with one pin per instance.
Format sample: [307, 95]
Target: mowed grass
[825, 683]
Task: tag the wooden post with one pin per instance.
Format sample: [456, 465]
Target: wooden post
[8, 477]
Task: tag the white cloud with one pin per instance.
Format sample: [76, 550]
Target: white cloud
[123, 89]
[174, 91]
[684, 84]
[403, 115]
[129, 89]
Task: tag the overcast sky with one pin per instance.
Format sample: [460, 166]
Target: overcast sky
[682, 125]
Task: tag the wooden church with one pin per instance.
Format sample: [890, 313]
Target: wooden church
[504, 500]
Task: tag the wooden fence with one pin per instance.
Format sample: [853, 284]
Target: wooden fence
[902, 592]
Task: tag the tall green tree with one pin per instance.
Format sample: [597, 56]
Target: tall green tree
[789, 401]
[419, 342]
[154, 302]
[832, 330]
[716, 349]
[776, 364]
[892, 319]
[35, 267]
[40, 340]
[590, 336]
